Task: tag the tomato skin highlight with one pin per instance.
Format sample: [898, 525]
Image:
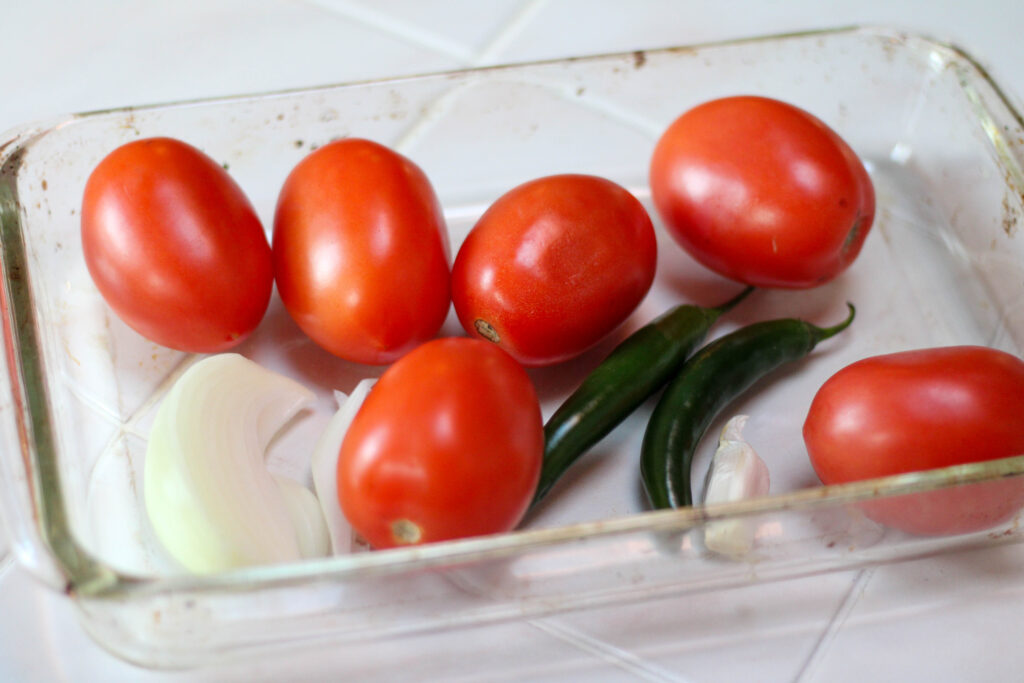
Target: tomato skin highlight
[553, 266]
[174, 246]
[920, 410]
[762, 192]
[448, 444]
[361, 251]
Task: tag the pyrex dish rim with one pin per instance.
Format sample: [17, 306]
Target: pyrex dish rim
[86, 576]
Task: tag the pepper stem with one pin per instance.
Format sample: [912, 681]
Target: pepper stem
[722, 308]
[826, 332]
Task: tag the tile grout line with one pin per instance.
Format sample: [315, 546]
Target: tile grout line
[431, 114]
[525, 14]
[91, 402]
[486, 56]
[817, 654]
[569, 636]
[420, 37]
[388, 24]
[131, 422]
[606, 652]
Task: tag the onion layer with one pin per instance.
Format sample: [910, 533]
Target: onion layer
[209, 496]
[325, 464]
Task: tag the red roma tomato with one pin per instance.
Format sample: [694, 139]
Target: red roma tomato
[553, 266]
[361, 251]
[447, 445]
[174, 246]
[762, 192]
[919, 410]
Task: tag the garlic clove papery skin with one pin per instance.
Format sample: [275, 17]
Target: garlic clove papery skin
[737, 472]
[209, 496]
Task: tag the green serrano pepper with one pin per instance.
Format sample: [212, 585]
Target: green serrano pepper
[634, 370]
[712, 378]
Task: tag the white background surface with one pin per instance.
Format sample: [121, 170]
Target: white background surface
[947, 619]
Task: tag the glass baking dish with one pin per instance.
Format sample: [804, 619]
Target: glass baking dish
[944, 265]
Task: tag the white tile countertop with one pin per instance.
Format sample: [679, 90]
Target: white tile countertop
[948, 618]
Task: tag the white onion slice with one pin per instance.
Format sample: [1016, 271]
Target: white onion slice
[737, 472]
[210, 498]
[325, 464]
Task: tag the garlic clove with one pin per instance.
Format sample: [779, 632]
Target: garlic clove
[737, 472]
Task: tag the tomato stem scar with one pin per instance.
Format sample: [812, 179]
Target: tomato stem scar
[486, 330]
[406, 532]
